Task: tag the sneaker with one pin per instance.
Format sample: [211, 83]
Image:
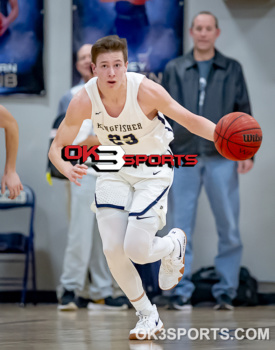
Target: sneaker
[179, 302]
[172, 266]
[82, 303]
[224, 302]
[146, 326]
[67, 301]
[109, 303]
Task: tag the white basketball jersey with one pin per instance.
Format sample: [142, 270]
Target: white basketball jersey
[131, 130]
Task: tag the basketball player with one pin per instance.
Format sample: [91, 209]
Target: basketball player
[132, 203]
[10, 177]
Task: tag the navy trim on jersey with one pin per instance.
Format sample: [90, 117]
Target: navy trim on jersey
[163, 122]
[108, 205]
[150, 205]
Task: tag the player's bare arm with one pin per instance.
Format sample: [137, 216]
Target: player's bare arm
[152, 96]
[10, 177]
[91, 140]
[80, 108]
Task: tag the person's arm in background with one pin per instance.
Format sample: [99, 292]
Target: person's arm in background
[6, 21]
[242, 104]
[10, 177]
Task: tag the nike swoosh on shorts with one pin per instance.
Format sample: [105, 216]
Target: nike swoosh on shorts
[144, 217]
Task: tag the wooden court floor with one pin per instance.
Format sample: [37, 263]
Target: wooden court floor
[42, 327]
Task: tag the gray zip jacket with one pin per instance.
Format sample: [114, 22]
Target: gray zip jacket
[226, 92]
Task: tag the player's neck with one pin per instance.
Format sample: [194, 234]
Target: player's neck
[200, 55]
[87, 78]
[113, 95]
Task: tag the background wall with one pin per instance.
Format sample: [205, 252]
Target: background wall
[247, 35]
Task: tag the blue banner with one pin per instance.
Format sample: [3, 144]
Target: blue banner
[153, 29]
[21, 47]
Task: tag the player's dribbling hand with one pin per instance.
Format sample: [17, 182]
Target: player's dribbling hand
[77, 172]
[12, 181]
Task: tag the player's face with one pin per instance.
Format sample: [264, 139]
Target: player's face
[204, 32]
[83, 64]
[110, 69]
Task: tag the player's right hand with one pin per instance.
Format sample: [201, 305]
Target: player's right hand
[77, 172]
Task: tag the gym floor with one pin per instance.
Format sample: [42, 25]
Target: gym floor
[43, 327]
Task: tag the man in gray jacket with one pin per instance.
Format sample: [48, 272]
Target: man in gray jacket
[212, 85]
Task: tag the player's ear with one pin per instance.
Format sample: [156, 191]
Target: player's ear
[126, 66]
[93, 68]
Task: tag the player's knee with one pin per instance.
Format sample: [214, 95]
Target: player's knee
[135, 254]
[138, 238]
[112, 251]
[136, 248]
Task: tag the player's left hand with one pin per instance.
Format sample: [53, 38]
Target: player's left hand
[12, 181]
[244, 166]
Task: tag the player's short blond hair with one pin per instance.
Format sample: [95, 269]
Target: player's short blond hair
[110, 43]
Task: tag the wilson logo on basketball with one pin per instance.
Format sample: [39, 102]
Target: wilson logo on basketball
[251, 138]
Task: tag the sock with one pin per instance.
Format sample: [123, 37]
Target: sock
[143, 305]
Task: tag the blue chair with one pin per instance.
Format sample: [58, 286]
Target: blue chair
[18, 242]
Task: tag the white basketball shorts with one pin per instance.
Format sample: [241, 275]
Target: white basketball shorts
[136, 190]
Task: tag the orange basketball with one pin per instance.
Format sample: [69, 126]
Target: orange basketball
[238, 136]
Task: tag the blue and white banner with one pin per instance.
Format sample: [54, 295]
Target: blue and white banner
[153, 29]
[21, 47]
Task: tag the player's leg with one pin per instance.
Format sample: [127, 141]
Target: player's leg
[101, 287]
[113, 195]
[143, 247]
[147, 216]
[222, 187]
[141, 244]
[112, 226]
